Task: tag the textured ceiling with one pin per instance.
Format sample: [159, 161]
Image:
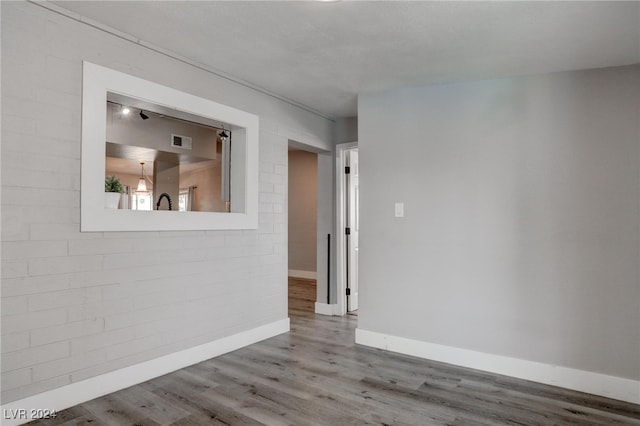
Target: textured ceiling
[322, 54]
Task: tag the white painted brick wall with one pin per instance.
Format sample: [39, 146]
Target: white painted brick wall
[34, 356]
[101, 246]
[15, 342]
[65, 298]
[61, 367]
[16, 378]
[64, 332]
[75, 305]
[32, 320]
[33, 285]
[98, 341]
[14, 305]
[61, 265]
[14, 250]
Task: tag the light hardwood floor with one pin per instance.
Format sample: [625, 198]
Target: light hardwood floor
[316, 375]
[302, 296]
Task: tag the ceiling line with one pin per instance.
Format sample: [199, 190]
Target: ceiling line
[127, 37]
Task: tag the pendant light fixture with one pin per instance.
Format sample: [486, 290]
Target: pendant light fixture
[142, 183]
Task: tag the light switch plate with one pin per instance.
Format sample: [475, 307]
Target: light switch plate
[399, 209]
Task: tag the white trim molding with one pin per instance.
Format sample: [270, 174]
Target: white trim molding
[327, 309]
[85, 390]
[97, 83]
[306, 275]
[341, 220]
[580, 380]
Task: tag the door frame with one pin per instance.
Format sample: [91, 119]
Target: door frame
[341, 221]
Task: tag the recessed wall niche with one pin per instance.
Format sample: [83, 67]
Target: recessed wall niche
[184, 162]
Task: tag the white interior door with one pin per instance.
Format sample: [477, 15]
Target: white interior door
[353, 197]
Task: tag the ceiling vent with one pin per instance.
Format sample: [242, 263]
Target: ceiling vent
[178, 141]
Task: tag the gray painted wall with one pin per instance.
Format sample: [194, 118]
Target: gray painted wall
[521, 233]
[346, 130]
[303, 204]
[326, 215]
[75, 305]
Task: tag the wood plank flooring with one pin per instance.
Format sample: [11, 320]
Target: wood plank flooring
[302, 295]
[316, 375]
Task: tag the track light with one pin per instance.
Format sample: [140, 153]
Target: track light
[223, 134]
[143, 115]
[125, 110]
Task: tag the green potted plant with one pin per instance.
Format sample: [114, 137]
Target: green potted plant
[112, 190]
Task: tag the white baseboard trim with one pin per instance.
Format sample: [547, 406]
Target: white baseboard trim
[327, 309]
[85, 390]
[309, 275]
[580, 380]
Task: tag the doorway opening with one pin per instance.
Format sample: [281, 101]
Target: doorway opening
[348, 225]
[302, 230]
[353, 226]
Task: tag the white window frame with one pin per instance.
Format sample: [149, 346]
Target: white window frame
[97, 81]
